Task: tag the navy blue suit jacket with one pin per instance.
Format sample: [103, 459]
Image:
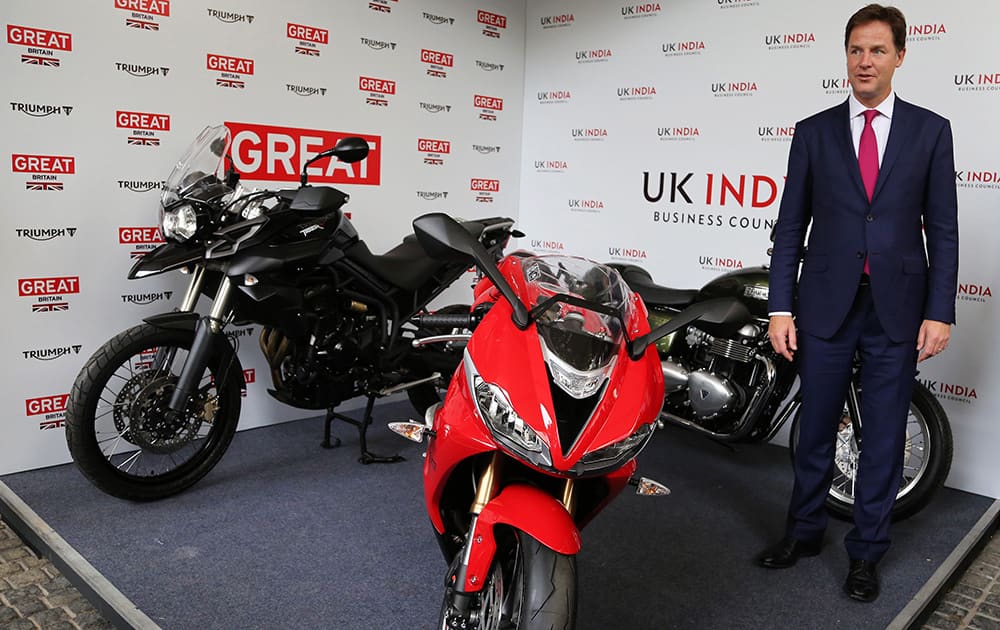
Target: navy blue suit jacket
[914, 196]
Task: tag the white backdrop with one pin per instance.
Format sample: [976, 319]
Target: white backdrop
[706, 94]
[106, 95]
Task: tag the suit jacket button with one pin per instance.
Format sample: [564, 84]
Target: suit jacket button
[861, 254]
[869, 218]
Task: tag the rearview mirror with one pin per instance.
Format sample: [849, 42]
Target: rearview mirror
[350, 149]
[715, 310]
[443, 237]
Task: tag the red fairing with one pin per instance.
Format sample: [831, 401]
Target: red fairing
[504, 354]
[529, 510]
[460, 434]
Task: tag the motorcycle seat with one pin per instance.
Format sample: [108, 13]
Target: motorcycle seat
[406, 265]
[639, 280]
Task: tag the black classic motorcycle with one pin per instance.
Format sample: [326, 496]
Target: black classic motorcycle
[155, 407]
[724, 380]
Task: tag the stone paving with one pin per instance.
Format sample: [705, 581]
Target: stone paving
[974, 601]
[33, 594]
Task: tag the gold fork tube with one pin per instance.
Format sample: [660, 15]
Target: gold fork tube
[569, 497]
[486, 489]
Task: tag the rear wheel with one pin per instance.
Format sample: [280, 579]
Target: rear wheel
[926, 463]
[529, 587]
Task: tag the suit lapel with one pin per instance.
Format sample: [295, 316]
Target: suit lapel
[846, 144]
[899, 133]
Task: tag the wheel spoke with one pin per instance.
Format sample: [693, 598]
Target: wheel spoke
[130, 461]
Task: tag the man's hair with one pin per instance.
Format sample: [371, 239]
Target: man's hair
[878, 13]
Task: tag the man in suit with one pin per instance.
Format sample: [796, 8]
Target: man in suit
[874, 176]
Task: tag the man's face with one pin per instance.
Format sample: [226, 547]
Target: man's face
[872, 59]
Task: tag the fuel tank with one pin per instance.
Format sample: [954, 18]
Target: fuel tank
[750, 285]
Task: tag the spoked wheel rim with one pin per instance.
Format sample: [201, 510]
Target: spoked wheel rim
[134, 432]
[916, 456]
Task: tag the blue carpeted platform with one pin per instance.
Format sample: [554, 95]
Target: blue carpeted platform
[284, 534]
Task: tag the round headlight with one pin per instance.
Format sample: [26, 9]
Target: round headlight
[180, 223]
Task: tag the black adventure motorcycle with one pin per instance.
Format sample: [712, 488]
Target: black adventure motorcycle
[724, 380]
[155, 407]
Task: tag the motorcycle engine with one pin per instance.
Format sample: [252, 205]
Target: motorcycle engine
[709, 383]
[319, 370]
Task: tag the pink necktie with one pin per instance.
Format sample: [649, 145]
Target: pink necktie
[868, 158]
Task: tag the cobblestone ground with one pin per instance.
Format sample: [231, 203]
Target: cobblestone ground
[33, 594]
[974, 601]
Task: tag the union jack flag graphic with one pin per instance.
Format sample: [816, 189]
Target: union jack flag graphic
[49, 307]
[43, 185]
[143, 24]
[377, 101]
[437, 73]
[137, 255]
[34, 60]
[144, 142]
[484, 198]
[230, 83]
[491, 33]
[485, 116]
[310, 52]
[431, 160]
[378, 7]
[52, 424]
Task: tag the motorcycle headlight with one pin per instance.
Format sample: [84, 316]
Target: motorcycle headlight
[612, 456]
[179, 223]
[506, 426]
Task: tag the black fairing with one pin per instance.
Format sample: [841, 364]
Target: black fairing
[316, 199]
[749, 285]
[167, 257]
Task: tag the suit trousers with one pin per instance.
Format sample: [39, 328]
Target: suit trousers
[888, 370]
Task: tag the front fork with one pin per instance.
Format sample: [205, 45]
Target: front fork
[486, 491]
[205, 331]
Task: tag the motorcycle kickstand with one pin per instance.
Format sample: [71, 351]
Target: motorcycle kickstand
[366, 457]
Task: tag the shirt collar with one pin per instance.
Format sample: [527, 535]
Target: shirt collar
[884, 108]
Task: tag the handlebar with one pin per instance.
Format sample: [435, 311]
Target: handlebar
[447, 320]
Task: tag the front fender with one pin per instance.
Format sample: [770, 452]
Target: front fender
[525, 508]
[180, 320]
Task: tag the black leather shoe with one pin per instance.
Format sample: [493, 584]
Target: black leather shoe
[786, 553]
[862, 581]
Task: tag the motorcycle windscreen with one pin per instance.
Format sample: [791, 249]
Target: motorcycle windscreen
[203, 160]
[580, 345]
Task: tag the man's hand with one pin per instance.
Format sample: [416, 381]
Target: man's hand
[781, 331]
[932, 338]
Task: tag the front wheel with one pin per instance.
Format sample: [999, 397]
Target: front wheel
[529, 587]
[926, 461]
[118, 428]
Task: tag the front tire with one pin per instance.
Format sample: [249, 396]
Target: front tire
[927, 460]
[116, 427]
[529, 587]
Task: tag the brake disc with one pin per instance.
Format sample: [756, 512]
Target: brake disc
[153, 427]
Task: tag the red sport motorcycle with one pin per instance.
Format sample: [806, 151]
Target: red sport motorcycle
[559, 389]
